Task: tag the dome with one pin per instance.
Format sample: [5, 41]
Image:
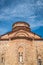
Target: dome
[20, 24]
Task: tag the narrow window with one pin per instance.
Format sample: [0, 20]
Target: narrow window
[2, 58]
[21, 57]
[20, 52]
[39, 61]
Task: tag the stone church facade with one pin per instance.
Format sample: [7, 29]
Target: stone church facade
[21, 46]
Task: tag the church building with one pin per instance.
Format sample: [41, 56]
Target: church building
[21, 46]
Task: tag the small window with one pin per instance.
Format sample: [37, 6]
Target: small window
[20, 52]
[39, 61]
[21, 57]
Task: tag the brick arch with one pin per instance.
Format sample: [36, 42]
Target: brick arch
[21, 33]
[20, 49]
[39, 56]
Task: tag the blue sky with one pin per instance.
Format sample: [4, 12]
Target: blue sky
[30, 11]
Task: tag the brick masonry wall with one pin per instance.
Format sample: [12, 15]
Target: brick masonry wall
[10, 50]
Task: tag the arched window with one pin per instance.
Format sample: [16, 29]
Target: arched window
[20, 53]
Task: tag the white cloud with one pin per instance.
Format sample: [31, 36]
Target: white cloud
[24, 10]
[40, 3]
[21, 10]
[36, 25]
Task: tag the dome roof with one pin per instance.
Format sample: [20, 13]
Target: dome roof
[20, 24]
